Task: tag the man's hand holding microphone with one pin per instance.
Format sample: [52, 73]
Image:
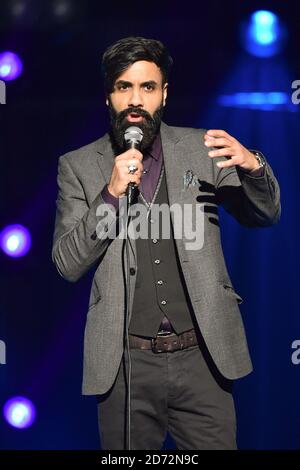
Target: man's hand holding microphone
[127, 169]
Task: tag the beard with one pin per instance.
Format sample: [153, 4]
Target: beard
[150, 126]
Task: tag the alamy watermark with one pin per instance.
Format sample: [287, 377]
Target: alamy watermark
[296, 93]
[296, 354]
[2, 352]
[187, 222]
[2, 92]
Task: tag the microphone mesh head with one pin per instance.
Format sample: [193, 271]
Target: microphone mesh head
[133, 135]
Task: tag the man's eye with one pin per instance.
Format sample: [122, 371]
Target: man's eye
[121, 87]
[149, 87]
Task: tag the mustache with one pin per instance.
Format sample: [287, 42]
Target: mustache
[134, 110]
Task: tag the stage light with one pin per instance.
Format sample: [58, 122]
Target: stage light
[18, 8]
[266, 101]
[15, 240]
[264, 34]
[19, 412]
[10, 66]
[62, 8]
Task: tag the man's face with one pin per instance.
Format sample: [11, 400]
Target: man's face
[138, 99]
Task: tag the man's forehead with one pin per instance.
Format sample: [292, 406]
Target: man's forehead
[141, 71]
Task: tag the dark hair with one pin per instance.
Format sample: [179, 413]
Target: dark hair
[123, 53]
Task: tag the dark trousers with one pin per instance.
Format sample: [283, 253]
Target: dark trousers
[179, 392]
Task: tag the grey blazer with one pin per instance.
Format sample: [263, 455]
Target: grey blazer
[253, 201]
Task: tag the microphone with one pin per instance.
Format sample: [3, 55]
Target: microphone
[133, 137]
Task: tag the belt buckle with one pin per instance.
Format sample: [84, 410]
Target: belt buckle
[156, 350]
[154, 346]
[164, 333]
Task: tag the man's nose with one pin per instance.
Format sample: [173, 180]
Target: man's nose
[135, 98]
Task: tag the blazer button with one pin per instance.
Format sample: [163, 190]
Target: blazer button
[132, 271]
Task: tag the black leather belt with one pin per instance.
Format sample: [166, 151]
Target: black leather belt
[164, 343]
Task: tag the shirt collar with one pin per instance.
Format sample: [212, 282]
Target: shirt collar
[156, 148]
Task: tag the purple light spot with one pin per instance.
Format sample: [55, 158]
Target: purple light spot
[19, 412]
[11, 66]
[15, 240]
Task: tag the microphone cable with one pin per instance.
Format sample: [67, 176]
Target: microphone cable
[132, 137]
[126, 328]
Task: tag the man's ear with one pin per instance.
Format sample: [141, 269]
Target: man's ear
[107, 102]
[165, 93]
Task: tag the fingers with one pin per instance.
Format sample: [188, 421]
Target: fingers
[134, 162]
[232, 161]
[130, 157]
[230, 148]
[122, 166]
[218, 133]
[129, 154]
[224, 152]
[220, 138]
[219, 142]
[138, 165]
[228, 153]
[136, 178]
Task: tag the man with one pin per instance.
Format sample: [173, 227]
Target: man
[164, 338]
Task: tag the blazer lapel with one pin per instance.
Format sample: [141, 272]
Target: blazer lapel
[106, 157]
[175, 164]
[175, 167]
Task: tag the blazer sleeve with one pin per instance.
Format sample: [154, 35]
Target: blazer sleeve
[253, 200]
[82, 233]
